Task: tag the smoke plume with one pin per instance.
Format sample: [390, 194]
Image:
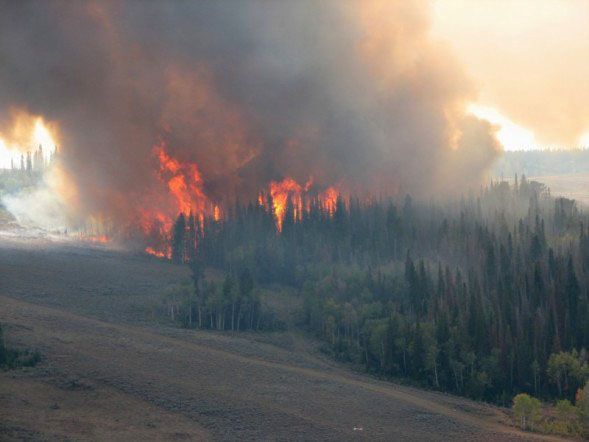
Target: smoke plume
[348, 93]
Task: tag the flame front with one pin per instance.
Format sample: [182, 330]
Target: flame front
[184, 182]
[288, 191]
[156, 253]
[281, 191]
[97, 239]
[183, 193]
[179, 188]
[329, 199]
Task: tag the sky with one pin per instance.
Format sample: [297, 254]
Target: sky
[529, 60]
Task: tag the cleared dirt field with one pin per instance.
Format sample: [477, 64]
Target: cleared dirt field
[112, 372]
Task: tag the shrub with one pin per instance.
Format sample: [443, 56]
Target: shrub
[526, 410]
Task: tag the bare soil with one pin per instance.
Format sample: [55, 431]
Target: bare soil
[113, 370]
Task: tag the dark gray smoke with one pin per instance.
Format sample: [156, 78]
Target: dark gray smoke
[349, 93]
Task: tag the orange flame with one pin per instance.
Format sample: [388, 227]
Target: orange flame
[156, 253]
[99, 239]
[185, 194]
[217, 214]
[184, 182]
[288, 188]
[329, 199]
[281, 191]
[185, 188]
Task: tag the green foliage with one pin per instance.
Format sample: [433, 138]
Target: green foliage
[568, 371]
[568, 419]
[564, 418]
[12, 358]
[484, 297]
[582, 402]
[527, 410]
[211, 304]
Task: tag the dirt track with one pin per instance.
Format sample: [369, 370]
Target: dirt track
[111, 373]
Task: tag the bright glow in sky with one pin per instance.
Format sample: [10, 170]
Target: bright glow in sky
[6, 155]
[584, 141]
[528, 61]
[42, 136]
[38, 135]
[510, 135]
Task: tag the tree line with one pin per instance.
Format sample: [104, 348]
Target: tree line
[484, 296]
[229, 304]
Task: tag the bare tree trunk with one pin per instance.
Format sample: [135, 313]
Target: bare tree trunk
[233, 316]
[456, 379]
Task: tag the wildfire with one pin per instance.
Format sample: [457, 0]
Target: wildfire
[178, 187]
[157, 253]
[329, 199]
[155, 222]
[22, 133]
[184, 182]
[98, 239]
[281, 191]
[289, 191]
[184, 193]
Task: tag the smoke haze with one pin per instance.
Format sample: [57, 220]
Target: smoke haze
[529, 60]
[355, 94]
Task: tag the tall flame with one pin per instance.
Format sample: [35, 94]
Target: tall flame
[281, 191]
[184, 193]
[329, 199]
[289, 190]
[184, 182]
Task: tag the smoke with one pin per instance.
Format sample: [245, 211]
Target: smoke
[38, 206]
[355, 94]
[529, 59]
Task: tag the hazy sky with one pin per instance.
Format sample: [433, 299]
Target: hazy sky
[529, 60]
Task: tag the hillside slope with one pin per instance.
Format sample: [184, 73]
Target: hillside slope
[112, 373]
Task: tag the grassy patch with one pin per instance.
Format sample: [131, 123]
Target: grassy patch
[11, 358]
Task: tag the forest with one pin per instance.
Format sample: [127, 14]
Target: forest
[485, 296]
